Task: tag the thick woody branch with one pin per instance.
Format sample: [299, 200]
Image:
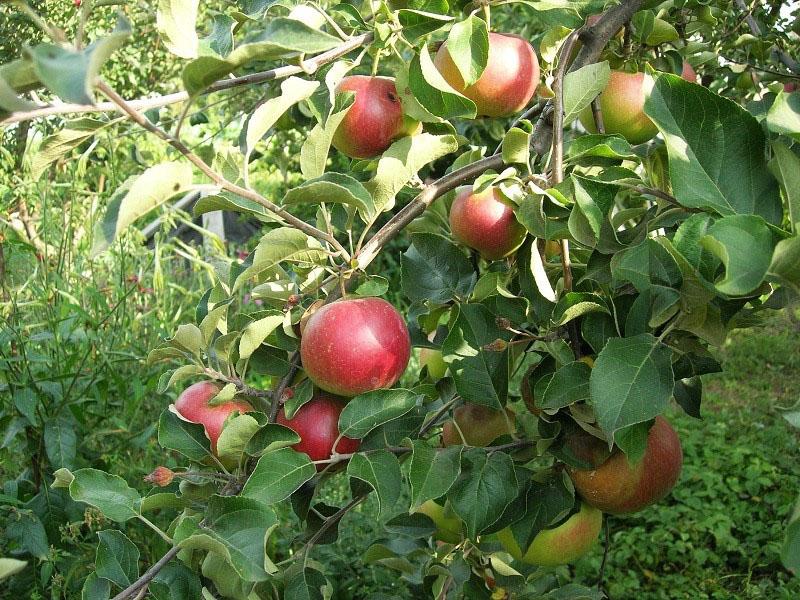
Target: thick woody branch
[142, 104]
[594, 39]
[216, 177]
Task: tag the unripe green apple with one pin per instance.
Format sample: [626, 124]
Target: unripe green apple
[618, 486]
[448, 525]
[485, 221]
[507, 83]
[428, 357]
[479, 425]
[560, 545]
[622, 107]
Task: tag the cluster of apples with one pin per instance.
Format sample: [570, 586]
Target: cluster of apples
[348, 347]
[611, 483]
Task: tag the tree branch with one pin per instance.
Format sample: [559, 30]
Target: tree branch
[594, 39]
[142, 104]
[277, 393]
[133, 589]
[216, 177]
[421, 202]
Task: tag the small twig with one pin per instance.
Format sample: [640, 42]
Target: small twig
[598, 116]
[216, 177]
[148, 575]
[426, 427]
[223, 84]
[606, 547]
[277, 393]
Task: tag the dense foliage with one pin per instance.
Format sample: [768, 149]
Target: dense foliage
[566, 290]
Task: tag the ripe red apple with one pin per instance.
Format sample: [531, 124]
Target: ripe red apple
[353, 346]
[193, 406]
[485, 221]
[622, 107]
[428, 357]
[479, 425]
[688, 73]
[374, 120]
[618, 486]
[560, 545]
[448, 525]
[317, 424]
[507, 83]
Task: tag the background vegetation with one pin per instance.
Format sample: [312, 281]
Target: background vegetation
[76, 391]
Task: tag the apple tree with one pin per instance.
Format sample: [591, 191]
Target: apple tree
[582, 199]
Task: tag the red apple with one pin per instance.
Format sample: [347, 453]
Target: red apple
[477, 426]
[560, 545]
[485, 221]
[374, 120]
[618, 486]
[688, 73]
[193, 406]
[317, 424]
[790, 87]
[353, 346]
[507, 83]
[622, 107]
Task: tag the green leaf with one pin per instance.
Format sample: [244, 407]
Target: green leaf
[308, 584]
[108, 493]
[71, 74]
[786, 167]
[11, 566]
[187, 438]
[278, 475]
[256, 332]
[468, 47]
[281, 37]
[435, 269]
[60, 442]
[137, 197]
[433, 92]
[790, 551]
[716, 150]
[63, 142]
[575, 304]
[785, 265]
[516, 147]
[567, 385]
[176, 21]
[263, 118]
[95, 588]
[432, 471]
[546, 503]
[744, 245]
[335, 188]
[631, 382]
[233, 203]
[381, 470]
[402, 161]
[602, 146]
[26, 531]
[486, 485]
[271, 437]
[116, 558]
[582, 86]
[367, 411]
[235, 437]
[480, 376]
[279, 245]
[784, 115]
[646, 265]
[314, 152]
[236, 529]
[417, 23]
